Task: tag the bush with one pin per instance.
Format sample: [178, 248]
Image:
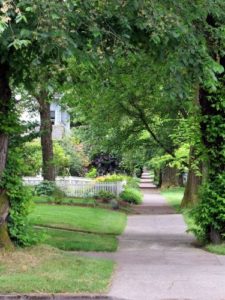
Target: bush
[105, 195]
[32, 158]
[131, 195]
[49, 188]
[69, 157]
[45, 188]
[111, 178]
[133, 182]
[209, 213]
[92, 173]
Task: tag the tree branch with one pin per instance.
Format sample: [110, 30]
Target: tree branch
[148, 128]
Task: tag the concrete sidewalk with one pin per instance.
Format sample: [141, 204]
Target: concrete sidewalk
[157, 260]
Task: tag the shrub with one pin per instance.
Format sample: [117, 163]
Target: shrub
[105, 195]
[111, 178]
[92, 173]
[45, 188]
[106, 163]
[49, 188]
[133, 182]
[131, 195]
[209, 213]
[58, 193]
[69, 157]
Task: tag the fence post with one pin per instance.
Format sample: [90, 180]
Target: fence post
[118, 188]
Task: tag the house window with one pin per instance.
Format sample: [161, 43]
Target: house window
[52, 114]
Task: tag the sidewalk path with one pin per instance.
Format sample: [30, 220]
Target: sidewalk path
[157, 259]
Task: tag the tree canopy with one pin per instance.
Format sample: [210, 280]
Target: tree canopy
[139, 77]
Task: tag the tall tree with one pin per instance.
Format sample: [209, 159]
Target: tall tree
[27, 38]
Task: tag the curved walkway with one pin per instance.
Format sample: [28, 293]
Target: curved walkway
[157, 260]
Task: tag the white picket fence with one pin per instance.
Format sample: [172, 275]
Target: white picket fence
[80, 187]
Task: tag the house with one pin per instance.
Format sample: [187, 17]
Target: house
[60, 121]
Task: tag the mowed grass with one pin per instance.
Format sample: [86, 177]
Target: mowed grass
[79, 218]
[174, 197]
[77, 241]
[49, 270]
[217, 249]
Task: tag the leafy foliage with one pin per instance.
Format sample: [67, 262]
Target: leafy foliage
[105, 195]
[209, 213]
[129, 181]
[20, 200]
[132, 195]
[69, 157]
[136, 77]
[49, 188]
[78, 159]
[106, 163]
[92, 173]
[111, 178]
[32, 158]
[45, 188]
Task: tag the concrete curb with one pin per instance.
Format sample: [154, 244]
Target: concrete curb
[55, 297]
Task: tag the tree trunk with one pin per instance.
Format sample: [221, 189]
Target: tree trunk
[5, 241]
[190, 197]
[158, 177]
[170, 177]
[4, 140]
[191, 190]
[5, 109]
[48, 168]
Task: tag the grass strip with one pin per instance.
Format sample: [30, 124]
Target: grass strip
[174, 197]
[49, 270]
[77, 241]
[217, 249]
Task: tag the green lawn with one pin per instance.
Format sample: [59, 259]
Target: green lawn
[45, 269]
[101, 226]
[77, 241]
[79, 218]
[174, 196]
[217, 249]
